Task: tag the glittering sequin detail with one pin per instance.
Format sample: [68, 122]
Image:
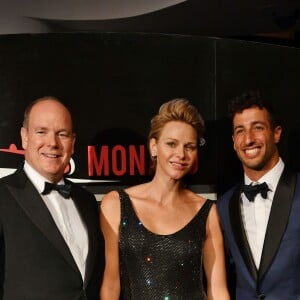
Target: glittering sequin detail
[161, 267]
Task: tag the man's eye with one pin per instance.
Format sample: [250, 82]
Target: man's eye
[63, 134]
[258, 128]
[40, 132]
[239, 132]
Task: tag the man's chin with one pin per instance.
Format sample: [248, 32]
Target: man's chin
[254, 166]
[54, 175]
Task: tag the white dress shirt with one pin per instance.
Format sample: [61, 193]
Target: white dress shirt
[66, 217]
[256, 214]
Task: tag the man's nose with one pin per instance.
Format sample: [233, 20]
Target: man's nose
[249, 137]
[52, 139]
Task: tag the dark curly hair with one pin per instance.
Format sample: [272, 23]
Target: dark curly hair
[251, 99]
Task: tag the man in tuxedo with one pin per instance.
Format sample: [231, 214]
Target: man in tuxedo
[261, 217]
[51, 246]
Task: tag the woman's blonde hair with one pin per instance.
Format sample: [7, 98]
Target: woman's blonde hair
[178, 109]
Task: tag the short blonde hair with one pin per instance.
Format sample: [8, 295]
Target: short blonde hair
[178, 109]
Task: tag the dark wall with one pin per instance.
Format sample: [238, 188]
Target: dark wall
[114, 83]
[274, 70]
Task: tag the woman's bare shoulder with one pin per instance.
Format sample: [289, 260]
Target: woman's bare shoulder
[137, 191]
[193, 197]
[110, 200]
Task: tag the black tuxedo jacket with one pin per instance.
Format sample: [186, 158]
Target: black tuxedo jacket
[35, 261]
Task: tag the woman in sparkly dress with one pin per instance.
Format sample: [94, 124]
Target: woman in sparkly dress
[160, 236]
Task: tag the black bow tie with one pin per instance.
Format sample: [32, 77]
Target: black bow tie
[63, 189]
[252, 190]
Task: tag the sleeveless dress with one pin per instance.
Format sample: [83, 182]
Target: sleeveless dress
[161, 267]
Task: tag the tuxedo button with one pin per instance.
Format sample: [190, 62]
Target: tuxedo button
[261, 296]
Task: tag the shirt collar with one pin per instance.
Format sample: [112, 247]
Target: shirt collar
[36, 178]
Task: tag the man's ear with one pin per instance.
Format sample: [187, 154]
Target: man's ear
[24, 137]
[277, 134]
[233, 142]
[73, 143]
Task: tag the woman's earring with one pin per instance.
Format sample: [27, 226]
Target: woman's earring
[201, 142]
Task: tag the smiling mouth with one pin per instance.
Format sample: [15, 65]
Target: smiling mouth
[179, 165]
[252, 152]
[51, 155]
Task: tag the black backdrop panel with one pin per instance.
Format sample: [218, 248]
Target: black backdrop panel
[113, 83]
[274, 70]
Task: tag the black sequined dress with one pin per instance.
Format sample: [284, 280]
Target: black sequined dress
[161, 267]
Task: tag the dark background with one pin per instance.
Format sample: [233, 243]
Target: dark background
[115, 82]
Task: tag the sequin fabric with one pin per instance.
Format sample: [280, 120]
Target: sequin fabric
[161, 267]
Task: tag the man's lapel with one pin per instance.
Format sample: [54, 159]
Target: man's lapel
[278, 219]
[88, 217]
[239, 232]
[31, 202]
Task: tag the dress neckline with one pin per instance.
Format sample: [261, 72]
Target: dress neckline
[185, 227]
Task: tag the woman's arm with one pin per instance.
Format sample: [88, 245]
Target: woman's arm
[214, 259]
[109, 221]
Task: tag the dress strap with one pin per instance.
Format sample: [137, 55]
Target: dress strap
[127, 210]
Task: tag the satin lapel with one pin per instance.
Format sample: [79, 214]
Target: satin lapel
[30, 201]
[239, 232]
[87, 216]
[278, 219]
